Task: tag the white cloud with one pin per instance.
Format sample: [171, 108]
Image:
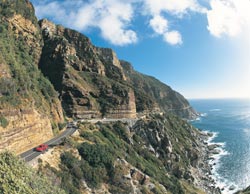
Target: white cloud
[112, 29]
[175, 7]
[159, 24]
[48, 10]
[173, 38]
[223, 19]
[229, 17]
[112, 17]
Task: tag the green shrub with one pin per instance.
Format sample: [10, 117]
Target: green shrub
[62, 125]
[3, 122]
[16, 177]
[97, 155]
[120, 130]
[53, 125]
[68, 159]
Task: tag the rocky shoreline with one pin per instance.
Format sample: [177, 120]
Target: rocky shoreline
[203, 172]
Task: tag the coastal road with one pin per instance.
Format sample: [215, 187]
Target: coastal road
[32, 153]
[71, 128]
[109, 120]
[184, 108]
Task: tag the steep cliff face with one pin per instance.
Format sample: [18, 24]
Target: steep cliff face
[28, 102]
[151, 94]
[26, 129]
[87, 78]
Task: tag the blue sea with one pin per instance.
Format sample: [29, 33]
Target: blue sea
[229, 119]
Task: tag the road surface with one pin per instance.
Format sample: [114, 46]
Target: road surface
[32, 153]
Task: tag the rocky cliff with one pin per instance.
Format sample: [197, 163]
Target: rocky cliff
[29, 106]
[88, 79]
[151, 94]
[93, 82]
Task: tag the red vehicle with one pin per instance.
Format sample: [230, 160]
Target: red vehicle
[42, 148]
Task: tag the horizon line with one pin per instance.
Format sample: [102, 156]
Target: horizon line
[219, 98]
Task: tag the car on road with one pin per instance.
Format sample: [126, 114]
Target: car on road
[42, 148]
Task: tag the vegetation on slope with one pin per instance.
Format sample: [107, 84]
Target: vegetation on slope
[103, 145]
[22, 85]
[18, 178]
[8, 8]
[26, 80]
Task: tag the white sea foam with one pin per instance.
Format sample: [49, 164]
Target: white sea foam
[203, 114]
[196, 119]
[211, 138]
[225, 186]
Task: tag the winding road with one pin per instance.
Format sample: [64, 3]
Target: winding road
[71, 128]
[32, 153]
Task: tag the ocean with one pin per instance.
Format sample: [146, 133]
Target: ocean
[229, 120]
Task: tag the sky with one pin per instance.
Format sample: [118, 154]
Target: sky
[201, 48]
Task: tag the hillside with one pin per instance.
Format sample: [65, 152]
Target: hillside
[48, 74]
[19, 178]
[30, 111]
[157, 154]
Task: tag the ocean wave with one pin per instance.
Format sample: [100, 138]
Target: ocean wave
[215, 110]
[244, 117]
[211, 138]
[247, 131]
[196, 119]
[226, 186]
